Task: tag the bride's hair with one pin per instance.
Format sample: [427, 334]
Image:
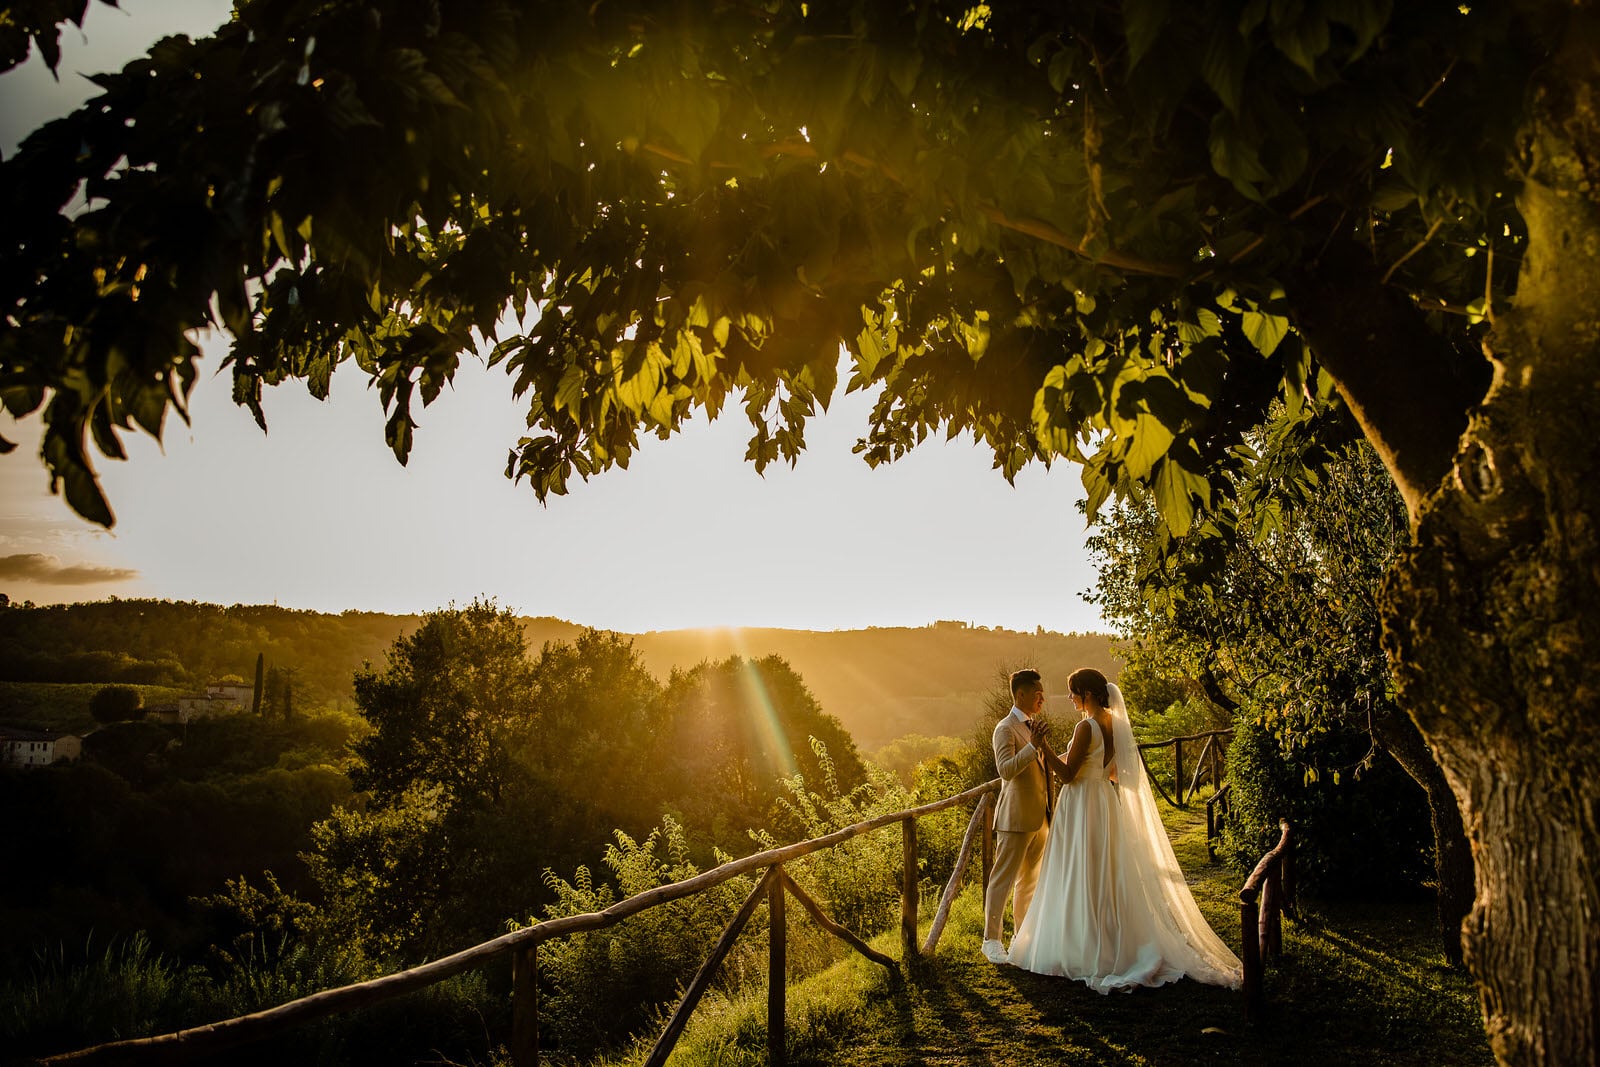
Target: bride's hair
[1088, 680]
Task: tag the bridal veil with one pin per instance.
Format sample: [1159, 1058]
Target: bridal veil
[1151, 869]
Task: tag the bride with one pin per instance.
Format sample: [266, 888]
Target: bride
[1112, 908]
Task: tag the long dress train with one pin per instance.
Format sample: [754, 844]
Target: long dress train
[1112, 909]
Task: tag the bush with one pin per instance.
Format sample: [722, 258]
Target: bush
[117, 703]
[1353, 833]
[601, 987]
[857, 882]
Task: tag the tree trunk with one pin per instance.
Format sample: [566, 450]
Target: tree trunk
[1491, 619]
[1452, 854]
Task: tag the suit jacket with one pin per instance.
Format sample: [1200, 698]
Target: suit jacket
[1024, 784]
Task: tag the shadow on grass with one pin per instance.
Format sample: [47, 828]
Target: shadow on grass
[1356, 983]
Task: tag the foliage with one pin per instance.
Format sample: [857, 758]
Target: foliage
[116, 703]
[1283, 620]
[1067, 230]
[128, 989]
[734, 730]
[65, 707]
[443, 708]
[1364, 836]
[125, 989]
[1162, 701]
[484, 768]
[904, 755]
[601, 987]
[189, 644]
[141, 825]
[858, 881]
[383, 874]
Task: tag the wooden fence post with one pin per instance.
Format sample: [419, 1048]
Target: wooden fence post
[708, 970]
[1177, 770]
[1286, 875]
[525, 1007]
[987, 850]
[957, 877]
[1271, 924]
[777, 972]
[908, 890]
[1250, 951]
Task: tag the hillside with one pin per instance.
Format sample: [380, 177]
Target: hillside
[882, 683]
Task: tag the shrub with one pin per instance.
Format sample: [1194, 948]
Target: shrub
[1353, 832]
[858, 881]
[599, 988]
[116, 703]
[124, 990]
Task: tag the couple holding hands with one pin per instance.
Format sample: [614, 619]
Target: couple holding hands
[1097, 894]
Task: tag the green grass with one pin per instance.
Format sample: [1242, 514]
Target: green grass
[64, 706]
[1354, 984]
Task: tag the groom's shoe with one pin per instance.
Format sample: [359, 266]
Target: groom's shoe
[995, 952]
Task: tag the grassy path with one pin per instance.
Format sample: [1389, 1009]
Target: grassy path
[1358, 985]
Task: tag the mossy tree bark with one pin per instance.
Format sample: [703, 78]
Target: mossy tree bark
[1490, 619]
[1490, 624]
[1452, 853]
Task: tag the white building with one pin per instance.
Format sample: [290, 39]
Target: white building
[206, 705]
[35, 748]
[241, 696]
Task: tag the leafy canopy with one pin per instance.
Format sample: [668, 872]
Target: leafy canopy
[1071, 230]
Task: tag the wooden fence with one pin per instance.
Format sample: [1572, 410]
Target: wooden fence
[1211, 764]
[1268, 894]
[1219, 806]
[523, 948]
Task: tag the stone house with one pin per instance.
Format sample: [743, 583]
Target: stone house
[37, 748]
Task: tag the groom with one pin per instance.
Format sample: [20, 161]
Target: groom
[1022, 817]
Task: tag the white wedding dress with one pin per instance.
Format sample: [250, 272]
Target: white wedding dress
[1112, 908]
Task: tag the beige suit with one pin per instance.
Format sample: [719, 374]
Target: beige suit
[1020, 825]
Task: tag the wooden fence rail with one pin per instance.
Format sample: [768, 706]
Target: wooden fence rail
[1267, 895]
[522, 945]
[1210, 764]
[1271, 882]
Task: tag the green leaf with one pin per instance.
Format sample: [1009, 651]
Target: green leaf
[904, 67]
[1393, 194]
[1176, 487]
[1236, 154]
[1143, 20]
[1365, 18]
[1265, 331]
[20, 400]
[1303, 40]
[1098, 487]
[1060, 72]
[70, 473]
[1146, 446]
[569, 391]
[691, 119]
[1223, 64]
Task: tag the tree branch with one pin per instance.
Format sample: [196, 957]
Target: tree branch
[1043, 231]
[1409, 388]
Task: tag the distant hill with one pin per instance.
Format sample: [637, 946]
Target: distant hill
[881, 682]
[886, 682]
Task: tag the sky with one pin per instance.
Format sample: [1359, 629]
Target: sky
[317, 514]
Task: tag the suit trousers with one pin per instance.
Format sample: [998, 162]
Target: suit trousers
[1016, 873]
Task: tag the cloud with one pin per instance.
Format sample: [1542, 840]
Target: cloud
[48, 570]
